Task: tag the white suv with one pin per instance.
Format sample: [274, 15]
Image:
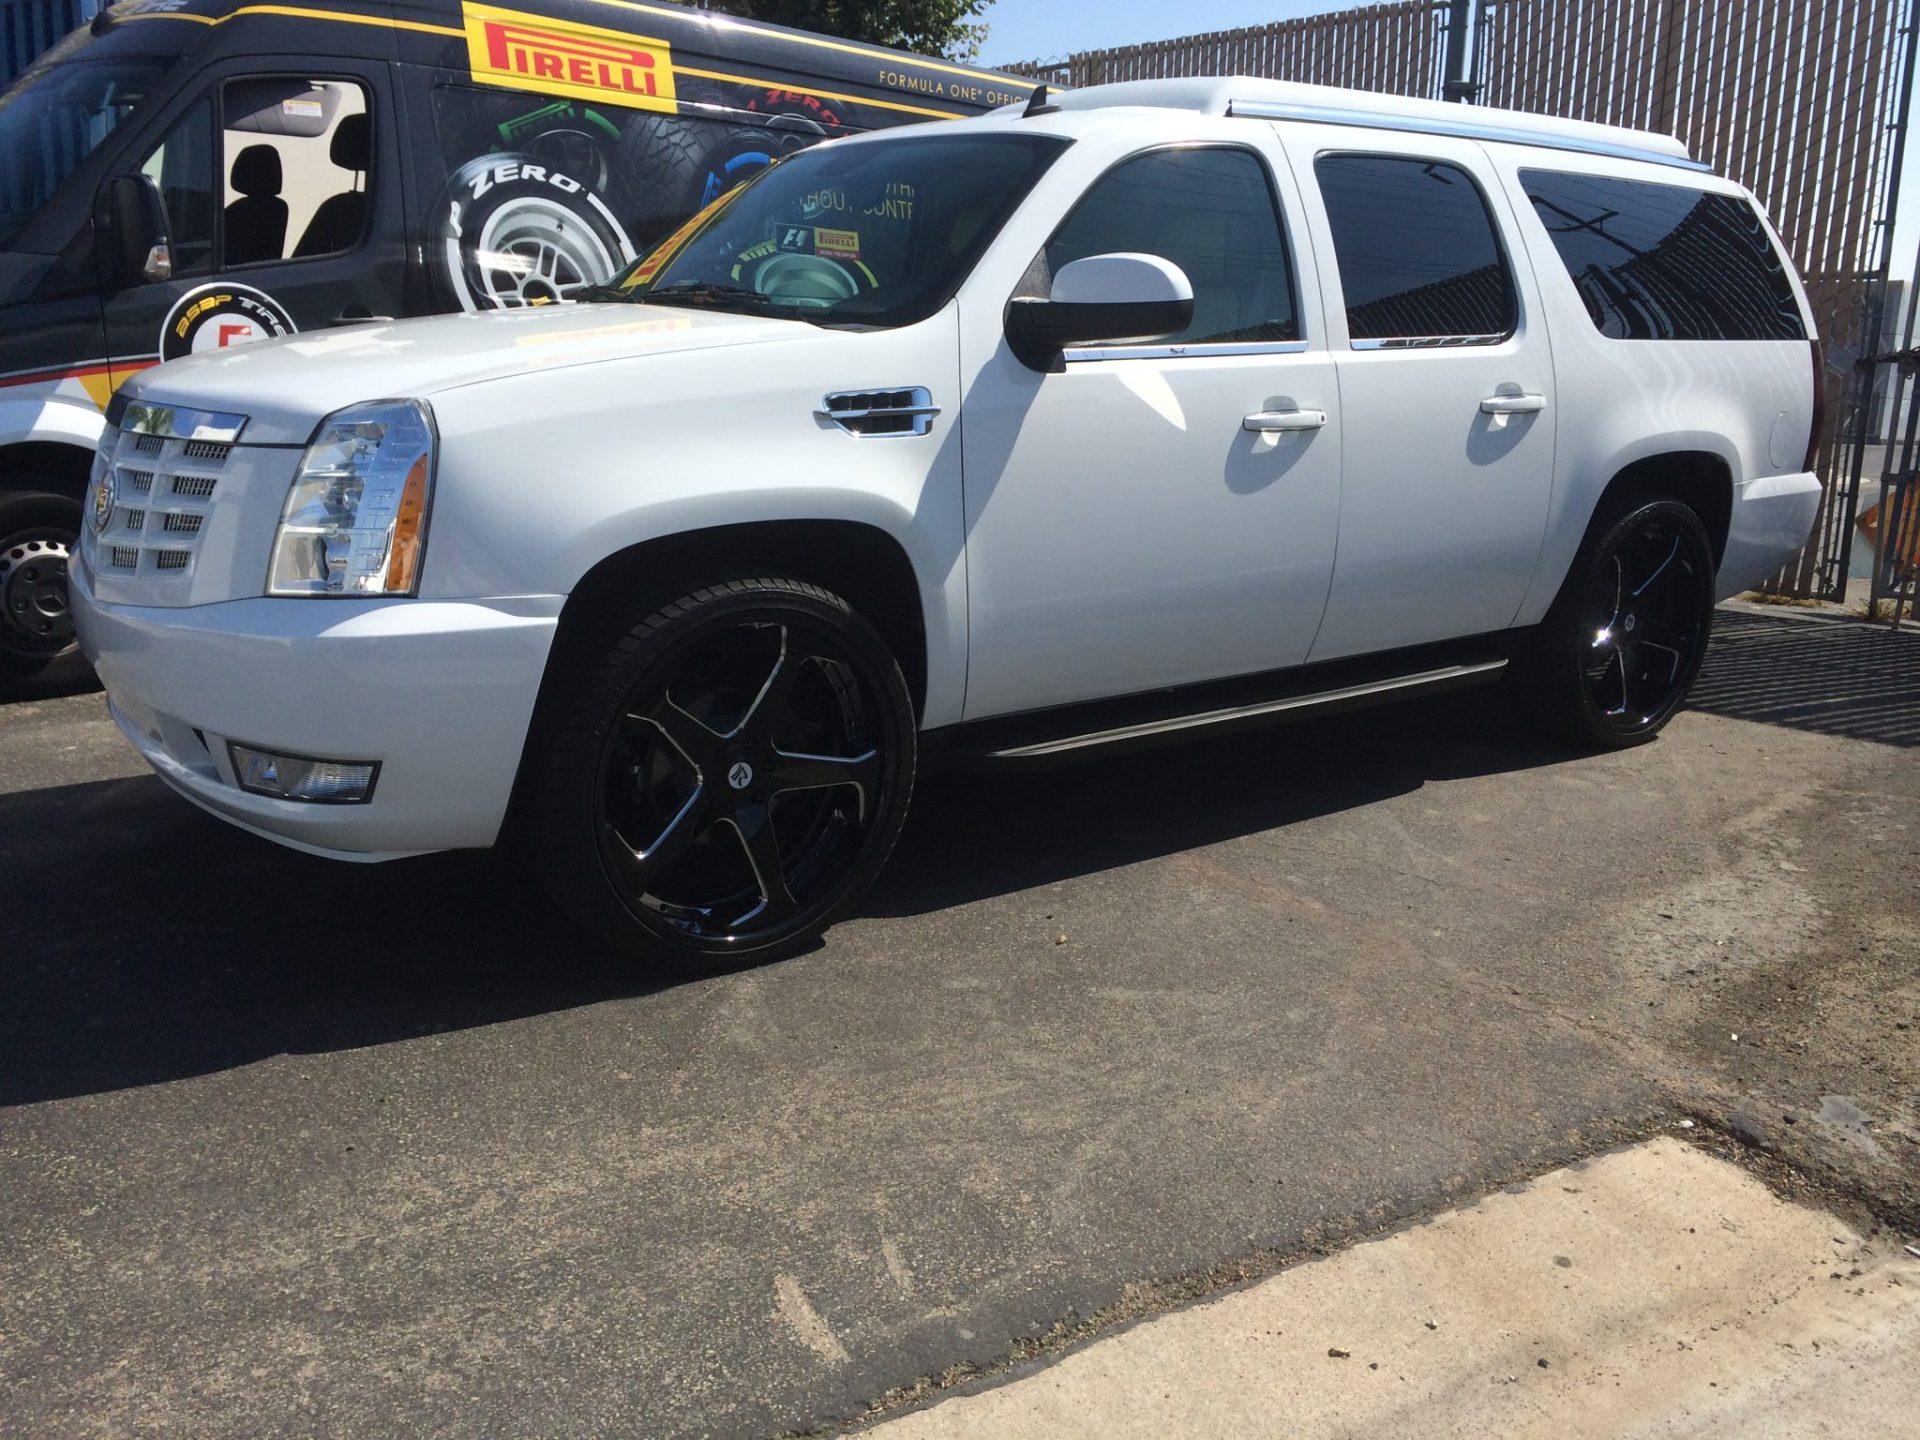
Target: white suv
[1160, 408]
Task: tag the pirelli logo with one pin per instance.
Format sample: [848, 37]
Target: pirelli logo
[557, 57]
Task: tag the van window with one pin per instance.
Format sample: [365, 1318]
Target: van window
[53, 119]
[298, 155]
[1213, 213]
[182, 166]
[1665, 262]
[1420, 259]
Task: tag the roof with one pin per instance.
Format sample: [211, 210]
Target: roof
[1324, 104]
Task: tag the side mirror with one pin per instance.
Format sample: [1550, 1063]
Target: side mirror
[1123, 296]
[139, 244]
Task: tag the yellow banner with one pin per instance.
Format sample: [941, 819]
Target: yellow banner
[557, 57]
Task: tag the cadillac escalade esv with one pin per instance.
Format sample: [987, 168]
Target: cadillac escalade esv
[1142, 411]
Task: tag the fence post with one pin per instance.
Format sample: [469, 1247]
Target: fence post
[1460, 83]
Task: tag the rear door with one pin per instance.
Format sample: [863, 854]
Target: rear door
[1446, 386]
[283, 191]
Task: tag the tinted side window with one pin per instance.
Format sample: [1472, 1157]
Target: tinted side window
[1420, 260]
[1212, 213]
[1663, 262]
[182, 166]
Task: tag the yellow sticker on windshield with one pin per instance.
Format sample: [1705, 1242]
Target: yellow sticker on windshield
[558, 57]
[840, 244]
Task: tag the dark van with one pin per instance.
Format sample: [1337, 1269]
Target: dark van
[189, 175]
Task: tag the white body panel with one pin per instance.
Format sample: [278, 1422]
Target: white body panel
[1108, 527]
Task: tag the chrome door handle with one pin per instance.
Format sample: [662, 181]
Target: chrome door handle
[1513, 404]
[1265, 422]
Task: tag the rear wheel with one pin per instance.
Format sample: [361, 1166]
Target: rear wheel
[1619, 650]
[726, 777]
[38, 534]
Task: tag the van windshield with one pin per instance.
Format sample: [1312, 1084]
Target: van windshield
[871, 234]
[53, 119]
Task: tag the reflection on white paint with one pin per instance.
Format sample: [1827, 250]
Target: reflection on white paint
[1150, 386]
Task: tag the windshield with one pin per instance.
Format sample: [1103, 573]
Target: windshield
[874, 234]
[53, 119]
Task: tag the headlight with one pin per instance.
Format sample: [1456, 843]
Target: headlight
[355, 521]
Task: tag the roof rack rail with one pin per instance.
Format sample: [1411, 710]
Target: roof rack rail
[1254, 97]
[1466, 129]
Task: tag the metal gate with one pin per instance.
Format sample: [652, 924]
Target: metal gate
[1802, 100]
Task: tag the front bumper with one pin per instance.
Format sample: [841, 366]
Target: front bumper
[1772, 517]
[439, 692]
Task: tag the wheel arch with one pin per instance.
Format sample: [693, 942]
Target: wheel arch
[1700, 479]
[46, 464]
[862, 563]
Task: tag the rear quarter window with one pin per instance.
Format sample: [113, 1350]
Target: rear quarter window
[1666, 262]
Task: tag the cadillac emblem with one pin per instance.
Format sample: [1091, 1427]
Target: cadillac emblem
[104, 498]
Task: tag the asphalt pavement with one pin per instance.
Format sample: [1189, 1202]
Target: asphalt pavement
[294, 1146]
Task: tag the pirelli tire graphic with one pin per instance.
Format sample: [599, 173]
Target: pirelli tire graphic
[520, 231]
[218, 317]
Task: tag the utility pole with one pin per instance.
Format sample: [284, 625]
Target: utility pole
[1460, 82]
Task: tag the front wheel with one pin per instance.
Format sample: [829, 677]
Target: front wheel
[38, 534]
[1619, 650]
[725, 778]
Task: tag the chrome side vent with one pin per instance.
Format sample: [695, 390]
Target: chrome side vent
[201, 485]
[126, 557]
[182, 524]
[880, 413]
[141, 480]
[205, 450]
[171, 559]
[150, 444]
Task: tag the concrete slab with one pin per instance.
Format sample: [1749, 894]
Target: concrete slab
[1653, 1291]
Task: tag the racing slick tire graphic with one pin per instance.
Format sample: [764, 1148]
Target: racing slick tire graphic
[519, 232]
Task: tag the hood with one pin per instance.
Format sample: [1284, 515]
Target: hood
[285, 387]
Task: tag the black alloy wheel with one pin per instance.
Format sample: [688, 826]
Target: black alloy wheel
[1619, 651]
[730, 775]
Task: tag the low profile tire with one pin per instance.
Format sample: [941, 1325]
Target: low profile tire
[1619, 650]
[38, 533]
[506, 243]
[726, 777]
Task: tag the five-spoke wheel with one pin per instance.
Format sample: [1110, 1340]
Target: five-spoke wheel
[1619, 650]
[730, 774]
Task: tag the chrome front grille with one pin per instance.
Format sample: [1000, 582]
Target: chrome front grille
[162, 503]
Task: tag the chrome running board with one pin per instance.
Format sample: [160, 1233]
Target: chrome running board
[1446, 676]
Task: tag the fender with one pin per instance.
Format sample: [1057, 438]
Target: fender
[40, 412]
[940, 579]
[1575, 501]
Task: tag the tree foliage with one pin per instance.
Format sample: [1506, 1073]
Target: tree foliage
[931, 27]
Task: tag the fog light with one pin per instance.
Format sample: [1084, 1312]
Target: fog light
[300, 777]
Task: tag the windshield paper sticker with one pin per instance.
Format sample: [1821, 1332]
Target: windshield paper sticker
[557, 57]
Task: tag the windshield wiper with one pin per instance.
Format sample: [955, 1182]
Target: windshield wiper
[706, 293]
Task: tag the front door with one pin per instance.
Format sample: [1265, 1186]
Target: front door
[282, 193]
[1128, 526]
[1446, 380]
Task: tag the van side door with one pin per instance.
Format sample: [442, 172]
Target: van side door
[282, 186]
[1446, 384]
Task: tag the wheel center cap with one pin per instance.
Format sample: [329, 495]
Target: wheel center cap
[741, 775]
[1627, 624]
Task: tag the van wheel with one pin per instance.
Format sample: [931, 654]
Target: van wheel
[1619, 650]
[726, 777]
[38, 533]
[520, 232]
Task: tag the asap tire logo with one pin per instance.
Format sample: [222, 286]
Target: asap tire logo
[218, 317]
